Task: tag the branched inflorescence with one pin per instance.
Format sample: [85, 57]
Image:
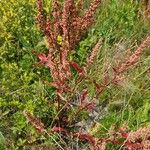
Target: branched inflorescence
[130, 140]
[69, 24]
[63, 30]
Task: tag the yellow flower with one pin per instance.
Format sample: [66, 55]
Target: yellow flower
[59, 39]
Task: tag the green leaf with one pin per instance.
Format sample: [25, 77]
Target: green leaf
[2, 142]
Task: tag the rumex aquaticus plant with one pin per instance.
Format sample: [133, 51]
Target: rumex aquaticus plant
[63, 29]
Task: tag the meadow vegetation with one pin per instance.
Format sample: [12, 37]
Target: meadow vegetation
[91, 93]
